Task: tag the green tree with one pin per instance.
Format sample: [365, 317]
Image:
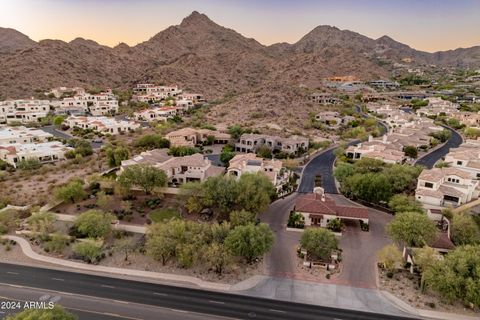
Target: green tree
[57, 313]
[319, 243]
[182, 151]
[41, 222]
[94, 223]
[226, 156]
[457, 276]
[29, 164]
[255, 192]
[236, 131]
[161, 242]
[403, 203]
[264, 152]
[412, 228]
[146, 177]
[464, 229]
[104, 201]
[390, 257]
[425, 258]
[73, 192]
[411, 152]
[56, 243]
[82, 147]
[115, 155]
[217, 257]
[152, 141]
[250, 241]
[370, 187]
[125, 245]
[90, 250]
[58, 120]
[241, 218]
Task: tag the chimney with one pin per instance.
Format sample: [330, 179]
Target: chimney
[323, 197]
[384, 138]
[370, 138]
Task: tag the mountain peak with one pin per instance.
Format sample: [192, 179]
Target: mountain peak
[12, 40]
[196, 18]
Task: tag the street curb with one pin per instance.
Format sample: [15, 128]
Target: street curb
[405, 307]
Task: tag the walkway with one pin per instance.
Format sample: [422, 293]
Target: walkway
[117, 226]
[431, 158]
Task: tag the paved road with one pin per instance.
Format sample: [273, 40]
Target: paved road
[174, 298]
[57, 133]
[86, 307]
[431, 158]
[320, 165]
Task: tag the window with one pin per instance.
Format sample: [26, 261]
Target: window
[428, 185]
[459, 163]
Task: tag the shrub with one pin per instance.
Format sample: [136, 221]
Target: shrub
[94, 223]
[89, 250]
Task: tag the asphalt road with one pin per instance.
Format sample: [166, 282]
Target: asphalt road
[179, 299]
[431, 158]
[320, 165]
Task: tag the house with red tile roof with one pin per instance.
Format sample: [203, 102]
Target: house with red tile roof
[318, 209]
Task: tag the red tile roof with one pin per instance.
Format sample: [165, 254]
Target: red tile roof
[313, 203]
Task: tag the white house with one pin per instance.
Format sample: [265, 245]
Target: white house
[44, 152]
[102, 124]
[20, 135]
[250, 163]
[178, 169]
[446, 186]
[23, 111]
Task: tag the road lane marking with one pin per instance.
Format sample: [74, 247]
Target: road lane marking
[10, 272]
[219, 302]
[275, 310]
[177, 310]
[160, 294]
[120, 301]
[107, 286]
[58, 279]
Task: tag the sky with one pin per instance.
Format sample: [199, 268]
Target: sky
[428, 25]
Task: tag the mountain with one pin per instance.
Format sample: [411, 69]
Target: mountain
[11, 41]
[206, 57]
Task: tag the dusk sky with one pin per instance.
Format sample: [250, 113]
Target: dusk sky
[428, 25]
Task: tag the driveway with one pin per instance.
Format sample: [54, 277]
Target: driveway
[431, 158]
[359, 247]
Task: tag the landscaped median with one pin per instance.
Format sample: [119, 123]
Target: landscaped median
[113, 271]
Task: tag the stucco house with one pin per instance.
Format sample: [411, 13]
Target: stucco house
[446, 186]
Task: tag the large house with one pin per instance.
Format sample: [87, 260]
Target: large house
[19, 135]
[446, 186]
[190, 137]
[323, 98]
[251, 142]
[104, 103]
[250, 163]
[333, 119]
[102, 124]
[44, 152]
[156, 114]
[23, 111]
[178, 169]
[387, 151]
[466, 157]
[148, 92]
[318, 209]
